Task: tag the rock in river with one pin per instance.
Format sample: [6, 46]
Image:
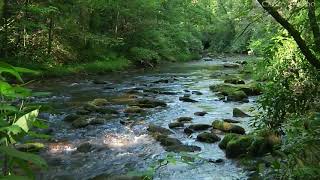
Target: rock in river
[228, 127]
[203, 113]
[159, 130]
[187, 99]
[176, 125]
[208, 137]
[238, 113]
[199, 127]
[149, 103]
[184, 119]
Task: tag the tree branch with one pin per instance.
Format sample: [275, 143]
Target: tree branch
[310, 57]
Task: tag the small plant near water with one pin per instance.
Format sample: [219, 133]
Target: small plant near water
[17, 122]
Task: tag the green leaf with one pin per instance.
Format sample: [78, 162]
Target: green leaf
[14, 129]
[7, 68]
[7, 107]
[36, 160]
[25, 70]
[25, 121]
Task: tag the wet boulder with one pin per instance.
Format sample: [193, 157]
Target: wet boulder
[231, 65]
[199, 127]
[197, 93]
[149, 103]
[239, 113]
[175, 145]
[99, 102]
[187, 99]
[203, 113]
[188, 131]
[228, 127]
[238, 146]
[86, 121]
[134, 110]
[227, 138]
[232, 92]
[184, 119]
[71, 117]
[208, 137]
[97, 109]
[251, 89]
[234, 81]
[159, 130]
[176, 125]
[85, 147]
[231, 121]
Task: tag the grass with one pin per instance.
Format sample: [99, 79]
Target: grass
[97, 67]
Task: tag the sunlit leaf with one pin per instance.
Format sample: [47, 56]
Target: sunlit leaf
[26, 120]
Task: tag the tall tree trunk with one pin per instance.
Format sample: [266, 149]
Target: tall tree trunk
[310, 57]
[314, 24]
[50, 34]
[5, 17]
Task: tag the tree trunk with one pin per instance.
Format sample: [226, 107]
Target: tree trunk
[50, 34]
[310, 57]
[314, 24]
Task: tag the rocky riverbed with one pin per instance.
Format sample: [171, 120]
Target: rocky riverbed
[167, 122]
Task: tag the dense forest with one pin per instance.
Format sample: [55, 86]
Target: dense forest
[168, 89]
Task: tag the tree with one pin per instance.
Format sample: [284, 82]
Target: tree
[306, 51]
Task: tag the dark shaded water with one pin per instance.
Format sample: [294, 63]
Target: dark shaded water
[121, 149]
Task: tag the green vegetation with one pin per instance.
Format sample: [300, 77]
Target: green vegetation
[16, 125]
[60, 38]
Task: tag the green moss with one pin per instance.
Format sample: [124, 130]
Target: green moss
[227, 138]
[238, 146]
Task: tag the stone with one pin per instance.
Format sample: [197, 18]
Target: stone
[188, 131]
[99, 102]
[228, 127]
[159, 130]
[239, 113]
[203, 113]
[238, 146]
[176, 125]
[232, 92]
[150, 103]
[187, 99]
[227, 138]
[231, 65]
[208, 137]
[184, 119]
[81, 122]
[97, 81]
[231, 121]
[71, 117]
[134, 110]
[234, 81]
[197, 93]
[175, 145]
[85, 148]
[199, 127]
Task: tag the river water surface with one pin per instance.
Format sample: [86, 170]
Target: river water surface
[120, 149]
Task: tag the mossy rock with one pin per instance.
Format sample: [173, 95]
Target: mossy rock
[199, 127]
[134, 110]
[96, 109]
[30, 147]
[150, 103]
[232, 92]
[176, 125]
[228, 127]
[251, 89]
[99, 102]
[182, 148]
[175, 145]
[208, 137]
[239, 113]
[184, 119]
[227, 138]
[71, 117]
[238, 146]
[159, 130]
[85, 147]
[234, 81]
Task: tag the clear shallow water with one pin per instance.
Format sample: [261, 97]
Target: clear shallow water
[121, 149]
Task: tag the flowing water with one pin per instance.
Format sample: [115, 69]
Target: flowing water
[119, 149]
